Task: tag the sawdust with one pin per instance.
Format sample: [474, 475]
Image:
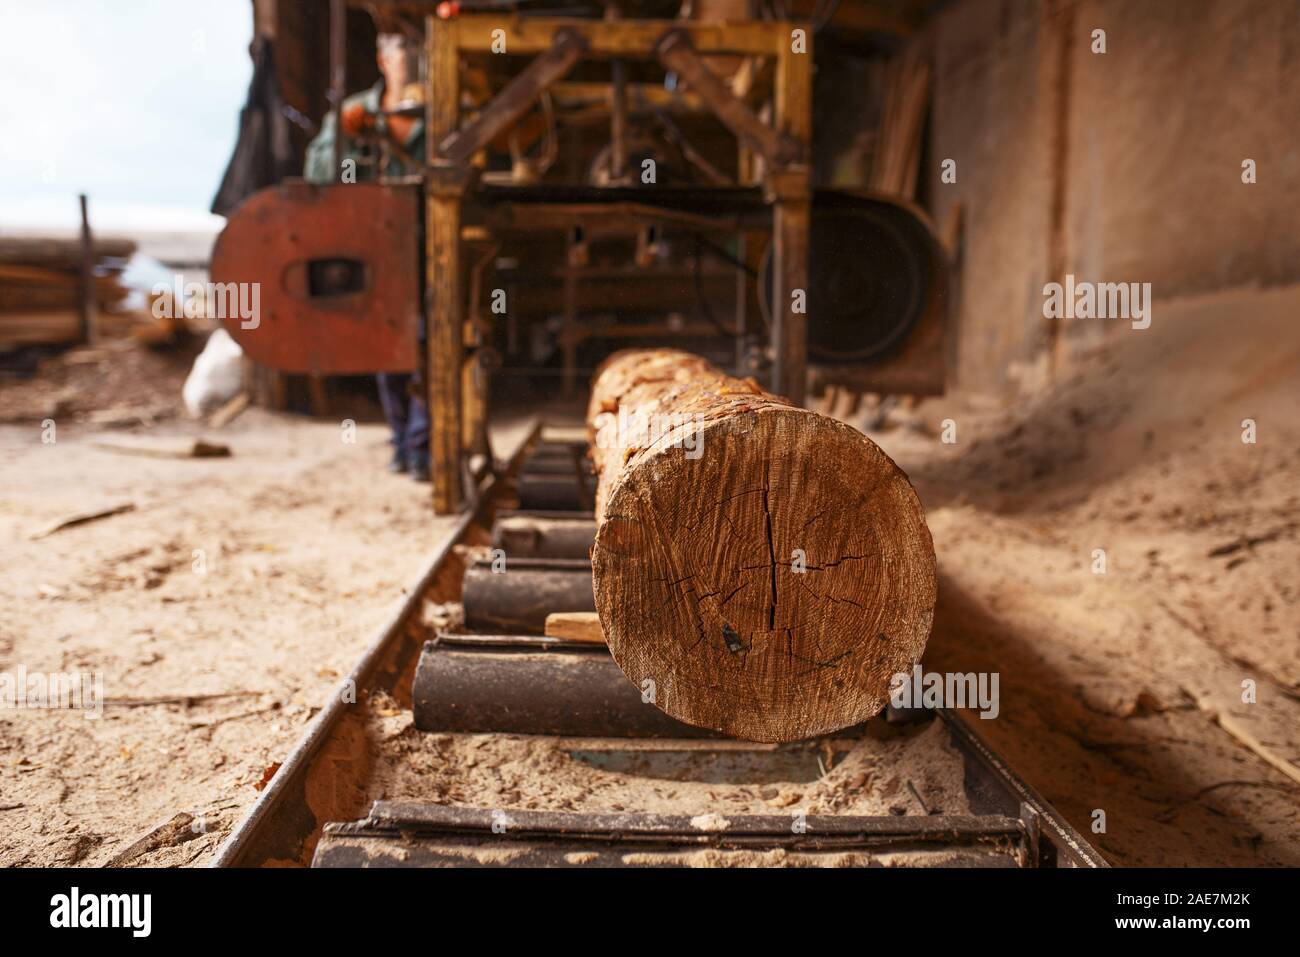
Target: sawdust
[1122, 692]
[780, 858]
[306, 544]
[521, 772]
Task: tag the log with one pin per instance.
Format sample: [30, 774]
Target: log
[768, 568]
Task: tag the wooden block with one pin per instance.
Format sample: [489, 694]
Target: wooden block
[575, 626]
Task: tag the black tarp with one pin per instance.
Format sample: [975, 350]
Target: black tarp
[264, 152]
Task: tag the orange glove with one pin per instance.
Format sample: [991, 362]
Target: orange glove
[356, 121]
[399, 128]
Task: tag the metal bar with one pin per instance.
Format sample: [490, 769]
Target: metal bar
[629, 39]
[595, 217]
[1068, 843]
[618, 121]
[569, 331]
[742, 302]
[417, 815]
[86, 290]
[790, 221]
[511, 643]
[518, 96]
[361, 845]
[261, 831]
[555, 493]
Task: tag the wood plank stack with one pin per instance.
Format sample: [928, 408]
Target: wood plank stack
[896, 163]
[40, 288]
[759, 569]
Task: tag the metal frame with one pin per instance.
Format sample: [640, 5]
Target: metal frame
[557, 45]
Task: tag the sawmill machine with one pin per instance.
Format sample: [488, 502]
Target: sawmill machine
[598, 175]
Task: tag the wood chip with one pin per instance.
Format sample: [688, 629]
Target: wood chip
[177, 448]
[230, 411]
[82, 518]
[175, 831]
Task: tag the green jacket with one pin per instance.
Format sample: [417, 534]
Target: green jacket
[319, 165]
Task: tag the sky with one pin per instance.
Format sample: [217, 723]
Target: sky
[134, 102]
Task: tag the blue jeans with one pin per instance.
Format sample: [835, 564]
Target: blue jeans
[408, 416]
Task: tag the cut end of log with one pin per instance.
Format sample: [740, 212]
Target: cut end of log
[769, 583]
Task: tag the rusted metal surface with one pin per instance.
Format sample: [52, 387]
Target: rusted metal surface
[337, 272]
[415, 834]
[281, 825]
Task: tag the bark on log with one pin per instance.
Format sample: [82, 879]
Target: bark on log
[768, 568]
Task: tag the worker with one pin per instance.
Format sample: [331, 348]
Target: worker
[374, 138]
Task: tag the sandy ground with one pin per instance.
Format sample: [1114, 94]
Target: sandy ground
[1121, 692]
[306, 543]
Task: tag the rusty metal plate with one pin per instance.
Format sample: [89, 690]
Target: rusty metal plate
[338, 270]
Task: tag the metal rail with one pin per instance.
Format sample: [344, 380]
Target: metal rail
[260, 828]
[1009, 824]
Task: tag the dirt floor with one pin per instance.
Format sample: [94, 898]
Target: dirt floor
[1123, 692]
[1120, 692]
[890, 771]
[306, 545]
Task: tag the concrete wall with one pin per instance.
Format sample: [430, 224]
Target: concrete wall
[1153, 133]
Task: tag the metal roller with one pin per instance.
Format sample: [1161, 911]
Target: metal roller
[574, 693]
[544, 535]
[518, 598]
[560, 493]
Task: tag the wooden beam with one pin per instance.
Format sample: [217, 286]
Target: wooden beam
[629, 39]
[676, 53]
[516, 99]
[443, 193]
[790, 188]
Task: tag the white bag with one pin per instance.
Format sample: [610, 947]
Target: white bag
[217, 376]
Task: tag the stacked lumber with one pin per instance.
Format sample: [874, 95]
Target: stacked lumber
[759, 569]
[897, 160]
[40, 288]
